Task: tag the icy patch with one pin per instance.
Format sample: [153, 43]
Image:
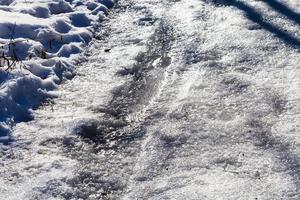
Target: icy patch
[40, 41]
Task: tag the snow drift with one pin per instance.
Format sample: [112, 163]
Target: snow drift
[40, 41]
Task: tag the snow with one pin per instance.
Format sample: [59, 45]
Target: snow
[46, 37]
[191, 100]
[42, 164]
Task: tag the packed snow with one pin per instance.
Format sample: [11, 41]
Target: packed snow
[176, 99]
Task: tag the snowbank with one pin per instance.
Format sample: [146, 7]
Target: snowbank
[40, 40]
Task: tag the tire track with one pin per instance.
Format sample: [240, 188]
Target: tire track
[116, 135]
[135, 95]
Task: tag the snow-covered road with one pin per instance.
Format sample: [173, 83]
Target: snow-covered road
[191, 100]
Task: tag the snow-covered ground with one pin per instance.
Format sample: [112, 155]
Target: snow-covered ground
[178, 99]
[40, 41]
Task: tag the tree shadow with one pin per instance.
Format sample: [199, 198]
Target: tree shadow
[257, 18]
[285, 10]
[281, 150]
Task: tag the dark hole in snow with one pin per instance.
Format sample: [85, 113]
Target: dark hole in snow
[89, 130]
[107, 50]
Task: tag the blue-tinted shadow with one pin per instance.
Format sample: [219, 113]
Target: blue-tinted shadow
[284, 10]
[257, 18]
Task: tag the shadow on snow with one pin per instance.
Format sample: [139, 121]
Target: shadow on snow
[284, 10]
[257, 18]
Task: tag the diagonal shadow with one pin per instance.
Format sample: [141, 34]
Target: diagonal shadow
[257, 18]
[263, 137]
[284, 155]
[283, 9]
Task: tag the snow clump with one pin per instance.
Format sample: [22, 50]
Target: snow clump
[40, 41]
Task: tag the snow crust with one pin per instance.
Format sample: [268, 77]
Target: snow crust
[220, 121]
[45, 38]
